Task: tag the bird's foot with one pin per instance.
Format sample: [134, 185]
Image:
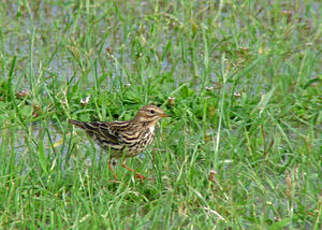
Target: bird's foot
[139, 176]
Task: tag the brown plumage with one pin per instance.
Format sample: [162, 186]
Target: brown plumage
[125, 138]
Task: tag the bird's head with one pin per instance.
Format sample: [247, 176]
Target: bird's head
[150, 114]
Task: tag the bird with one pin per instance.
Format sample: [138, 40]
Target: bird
[124, 139]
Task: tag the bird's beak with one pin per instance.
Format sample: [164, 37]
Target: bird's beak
[164, 115]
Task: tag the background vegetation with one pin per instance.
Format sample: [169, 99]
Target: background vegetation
[241, 79]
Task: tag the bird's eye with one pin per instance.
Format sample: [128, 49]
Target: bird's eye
[152, 111]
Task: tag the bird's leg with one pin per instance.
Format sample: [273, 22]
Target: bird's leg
[111, 168]
[138, 175]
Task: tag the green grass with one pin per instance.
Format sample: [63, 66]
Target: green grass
[246, 81]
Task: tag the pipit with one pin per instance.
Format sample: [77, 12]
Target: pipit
[125, 138]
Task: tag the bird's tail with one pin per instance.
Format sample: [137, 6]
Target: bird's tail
[79, 124]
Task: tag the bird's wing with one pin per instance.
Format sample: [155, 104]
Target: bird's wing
[102, 131]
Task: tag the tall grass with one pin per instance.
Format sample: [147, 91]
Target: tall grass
[241, 79]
